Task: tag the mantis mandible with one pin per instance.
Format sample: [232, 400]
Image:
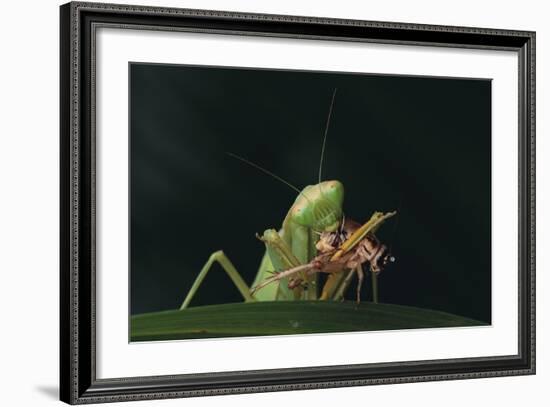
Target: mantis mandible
[315, 218]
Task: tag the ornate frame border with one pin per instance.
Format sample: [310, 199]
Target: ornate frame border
[78, 382]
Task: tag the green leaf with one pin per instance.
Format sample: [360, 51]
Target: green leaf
[285, 317]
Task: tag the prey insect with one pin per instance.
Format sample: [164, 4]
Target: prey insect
[314, 238]
[344, 251]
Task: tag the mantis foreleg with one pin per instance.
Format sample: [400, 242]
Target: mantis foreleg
[231, 271]
[281, 257]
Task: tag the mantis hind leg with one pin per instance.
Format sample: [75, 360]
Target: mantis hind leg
[374, 286]
[342, 287]
[231, 271]
[348, 275]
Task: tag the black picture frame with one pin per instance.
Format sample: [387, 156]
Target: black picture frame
[78, 382]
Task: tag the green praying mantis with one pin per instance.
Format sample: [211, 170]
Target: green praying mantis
[315, 238]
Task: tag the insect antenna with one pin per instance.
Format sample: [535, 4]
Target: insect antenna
[265, 171]
[394, 230]
[326, 133]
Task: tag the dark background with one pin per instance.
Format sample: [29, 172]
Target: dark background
[420, 145]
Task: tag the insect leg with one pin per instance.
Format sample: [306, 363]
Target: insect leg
[334, 284]
[339, 295]
[283, 274]
[231, 271]
[360, 277]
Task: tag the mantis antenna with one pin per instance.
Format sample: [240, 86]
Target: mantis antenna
[281, 179]
[326, 132]
[244, 160]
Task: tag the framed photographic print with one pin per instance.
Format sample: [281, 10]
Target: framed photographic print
[240, 192]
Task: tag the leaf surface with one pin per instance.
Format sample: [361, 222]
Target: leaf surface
[286, 317]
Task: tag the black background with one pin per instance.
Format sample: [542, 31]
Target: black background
[415, 144]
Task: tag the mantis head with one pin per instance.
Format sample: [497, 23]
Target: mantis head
[319, 206]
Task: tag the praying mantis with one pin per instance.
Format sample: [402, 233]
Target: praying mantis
[315, 237]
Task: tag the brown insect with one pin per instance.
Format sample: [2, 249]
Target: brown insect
[341, 255]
